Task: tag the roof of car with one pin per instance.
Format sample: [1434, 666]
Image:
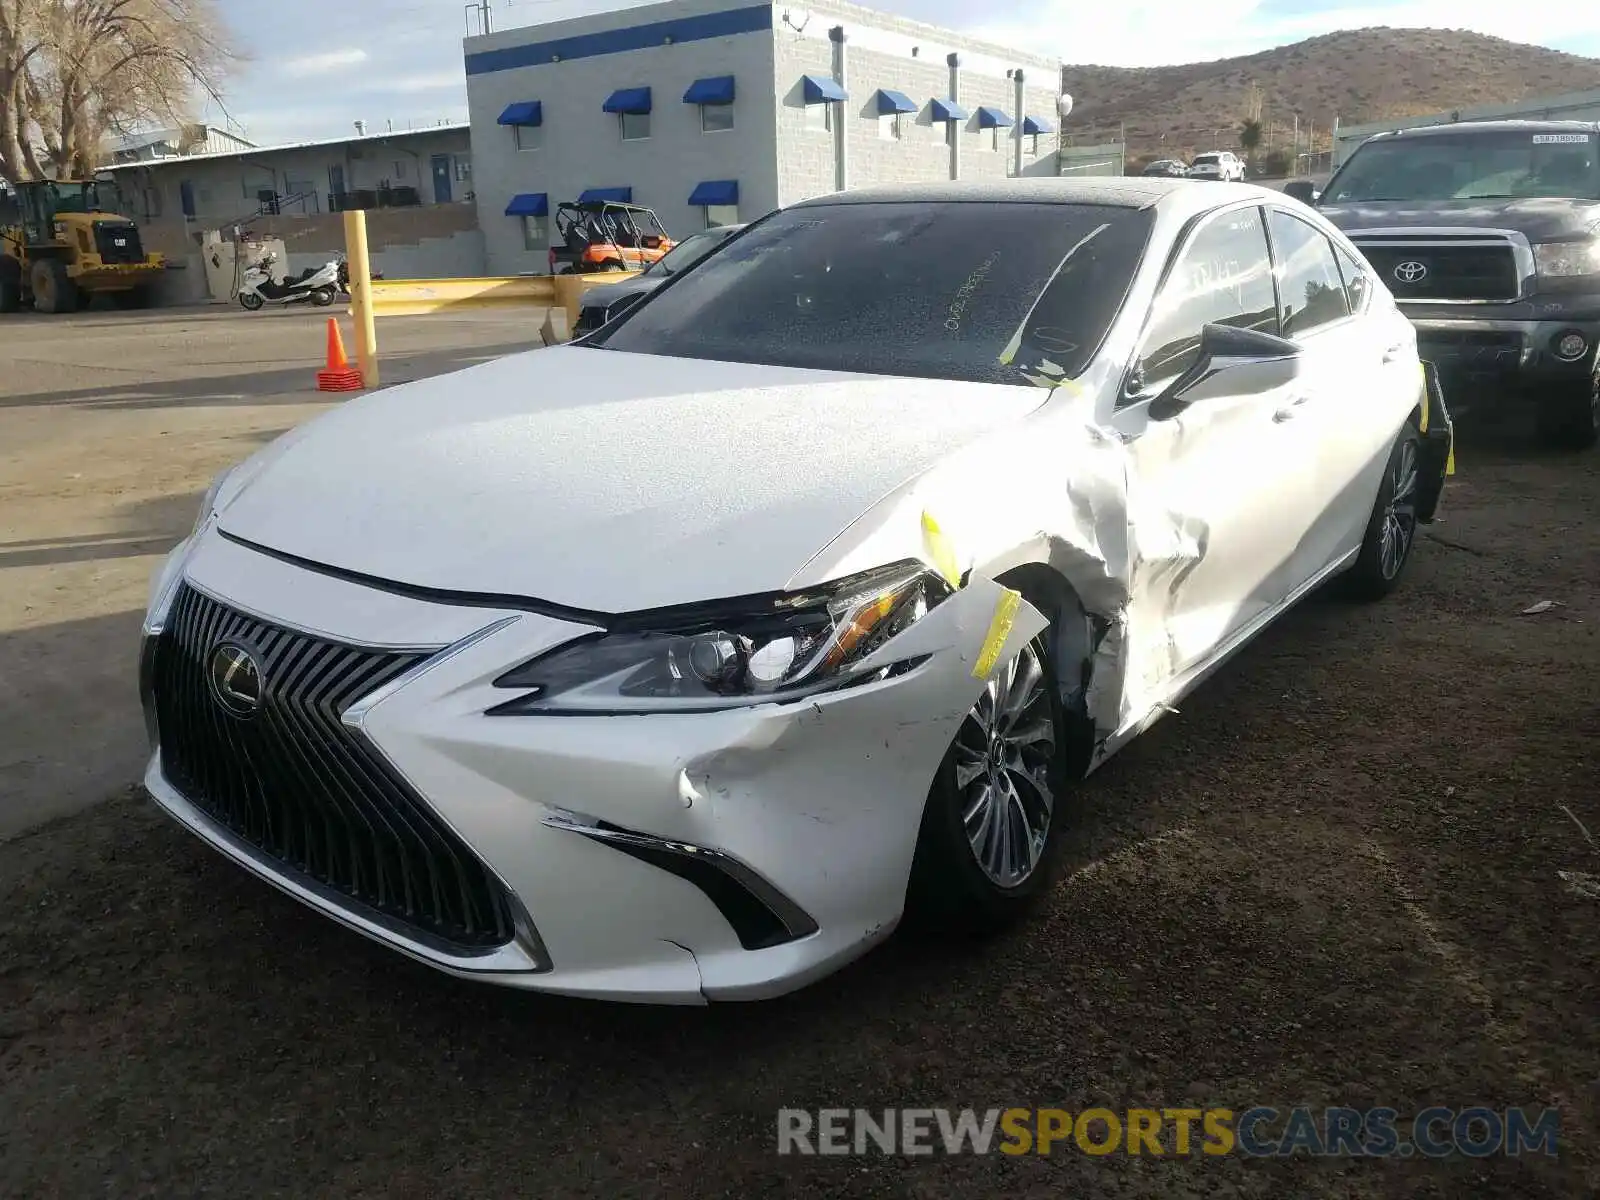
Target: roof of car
[1494, 126]
[1117, 191]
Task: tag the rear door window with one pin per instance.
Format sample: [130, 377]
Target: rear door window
[1310, 287]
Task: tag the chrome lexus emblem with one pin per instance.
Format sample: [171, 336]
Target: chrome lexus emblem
[1411, 271]
[236, 680]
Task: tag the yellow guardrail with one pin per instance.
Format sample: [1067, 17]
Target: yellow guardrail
[416, 297]
[372, 298]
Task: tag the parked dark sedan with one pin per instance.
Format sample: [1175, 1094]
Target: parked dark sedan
[1170, 168]
[599, 302]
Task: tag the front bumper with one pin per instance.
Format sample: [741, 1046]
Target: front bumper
[1507, 343]
[629, 845]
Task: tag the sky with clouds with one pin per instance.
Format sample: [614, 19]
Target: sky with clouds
[400, 60]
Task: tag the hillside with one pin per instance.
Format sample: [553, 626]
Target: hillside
[1362, 75]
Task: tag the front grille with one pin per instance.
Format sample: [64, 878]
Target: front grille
[294, 782]
[1450, 270]
[108, 233]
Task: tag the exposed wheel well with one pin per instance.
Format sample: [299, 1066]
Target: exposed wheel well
[1073, 640]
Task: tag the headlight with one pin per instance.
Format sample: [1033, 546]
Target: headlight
[1559, 259]
[795, 646]
[210, 501]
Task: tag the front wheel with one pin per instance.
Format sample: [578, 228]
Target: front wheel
[323, 297]
[1569, 418]
[986, 847]
[251, 301]
[1392, 528]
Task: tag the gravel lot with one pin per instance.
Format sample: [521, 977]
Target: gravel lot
[1334, 878]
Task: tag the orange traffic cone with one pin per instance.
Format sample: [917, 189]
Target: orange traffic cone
[339, 376]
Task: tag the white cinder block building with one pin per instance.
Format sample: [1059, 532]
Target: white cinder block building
[712, 111]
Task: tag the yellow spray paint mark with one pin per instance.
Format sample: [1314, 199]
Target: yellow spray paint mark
[1424, 428]
[1005, 616]
[940, 551]
[1450, 459]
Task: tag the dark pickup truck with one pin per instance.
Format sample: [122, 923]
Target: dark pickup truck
[1488, 236]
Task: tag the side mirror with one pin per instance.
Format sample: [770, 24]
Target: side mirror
[1302, 190]
[1231, 362]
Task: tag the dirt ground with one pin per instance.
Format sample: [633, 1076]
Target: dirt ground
[111, 427]
[1351, 872]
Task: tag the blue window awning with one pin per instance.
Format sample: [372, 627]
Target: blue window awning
[948, 110]
[894, 102]
[617, 195]
[628, 100]
[715, 191]
[523, 112]
[1037, 125]
[992, 118]
[718, 89]
[823, 89]
[529, 204]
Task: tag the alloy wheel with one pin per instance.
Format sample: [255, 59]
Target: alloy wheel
[1003, 756]
[1400, 515]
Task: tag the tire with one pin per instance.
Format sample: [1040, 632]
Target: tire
[1569, 418]
[323, 297]
[1392, 528]
[53, 289]
[138, 297]
[962, 876]
[10, 286]
[251, 301]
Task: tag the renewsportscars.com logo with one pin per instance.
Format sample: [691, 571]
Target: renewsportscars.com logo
[1258, 1132]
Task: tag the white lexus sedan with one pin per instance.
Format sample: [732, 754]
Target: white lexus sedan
[679, 662]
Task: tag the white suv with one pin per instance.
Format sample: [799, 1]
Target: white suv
[1224, 165]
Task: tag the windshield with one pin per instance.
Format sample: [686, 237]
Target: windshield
[1207, 160]
[994, 293]
[687, 252]
[76, 197]
[1499, 165]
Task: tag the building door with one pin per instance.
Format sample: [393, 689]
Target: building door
[441, 179]
[335, 186]
[186, 197]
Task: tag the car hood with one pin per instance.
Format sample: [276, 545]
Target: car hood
[1540, 219]
[605, 481]
[608, 294]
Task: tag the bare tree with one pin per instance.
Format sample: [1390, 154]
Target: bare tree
[73, 72]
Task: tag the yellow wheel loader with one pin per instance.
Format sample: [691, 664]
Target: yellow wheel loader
[61, 244]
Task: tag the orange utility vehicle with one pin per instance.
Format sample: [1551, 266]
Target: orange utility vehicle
[606, 235]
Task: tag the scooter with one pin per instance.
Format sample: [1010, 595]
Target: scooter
[318, 285]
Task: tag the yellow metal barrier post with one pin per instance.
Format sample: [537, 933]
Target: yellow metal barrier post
[355, 242]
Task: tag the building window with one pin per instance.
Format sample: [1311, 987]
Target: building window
[721, 214]
[463, 169]
[534, 235]
[889, 127]
[203, 194]
[820, 117]
[994, 139]
[399, 169]
[635, 126]
[714, 118]
[152, 202]
[1034, 149]
[529, 137]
